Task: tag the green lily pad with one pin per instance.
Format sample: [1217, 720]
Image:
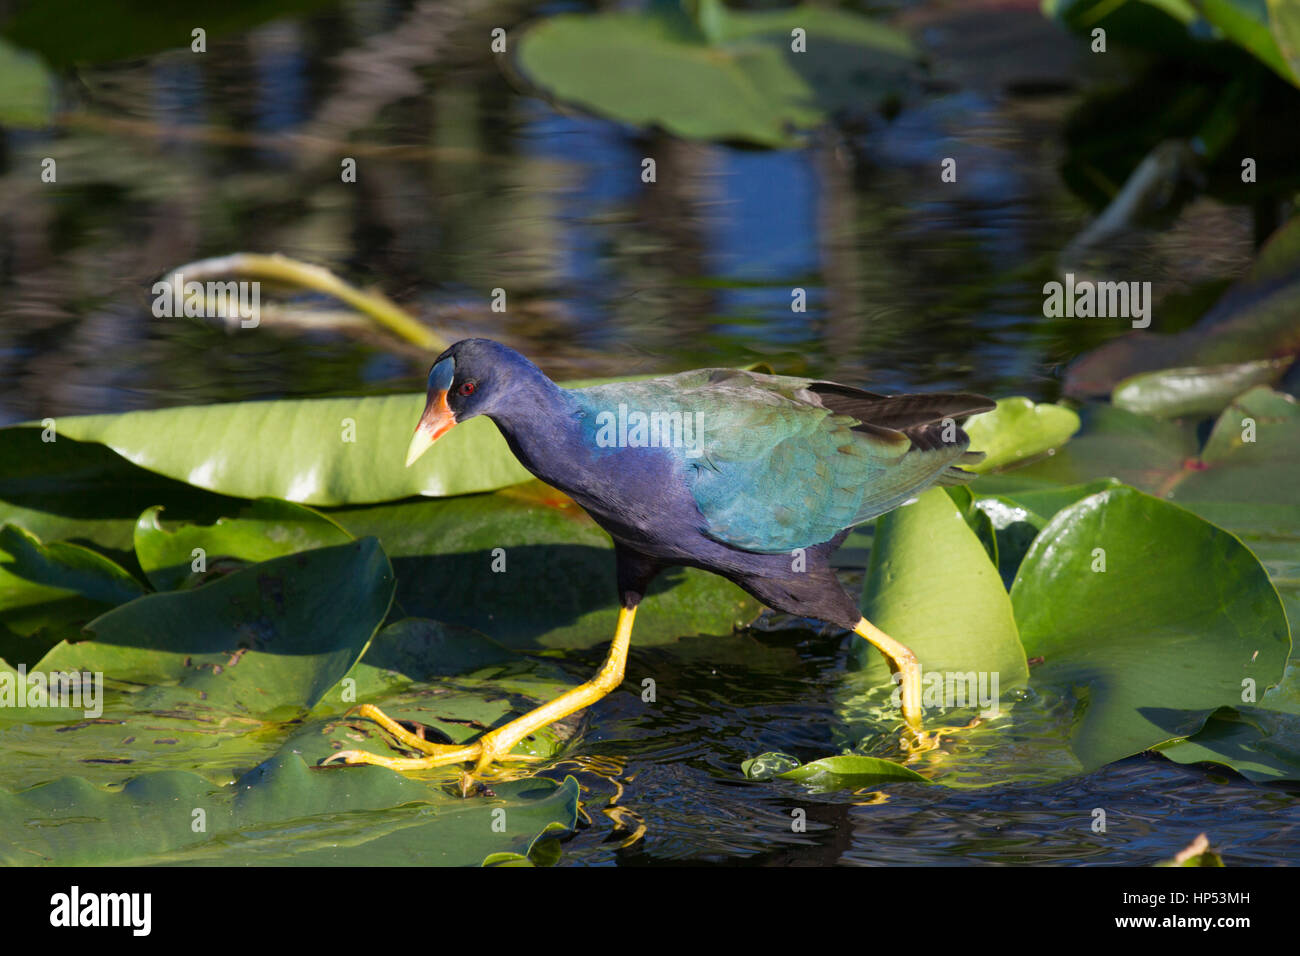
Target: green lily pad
[1016, 518]
[977, 519]
[299, 450]
[1260, 740]
[1238, 483]
[265, 642]
[281, 812]
[1018, 429]
[66, 490]
[529, 568]
[48, 592]
[647, 69]
[850, 772]
[268, 528]
[60, 567]
[957, 621]
[1261, 747]
[1198, 390]
[452, 680]
[768, 765]
[1153, 644]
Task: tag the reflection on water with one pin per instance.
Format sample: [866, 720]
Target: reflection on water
[464, 186]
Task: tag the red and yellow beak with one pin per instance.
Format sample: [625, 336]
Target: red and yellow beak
[436, 421]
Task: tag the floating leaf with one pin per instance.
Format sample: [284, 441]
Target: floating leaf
[1150, 616]
[768, 765]
[529, 568]
[850, 772]
[1018, 429]
[1261, 740]
[268, 528]
[1018, 517]
[1198, 390]
[48, 592]
[647, 69]
[281, 812]
[932, 586]
[65, 490]
[267, 641]
[295, 449]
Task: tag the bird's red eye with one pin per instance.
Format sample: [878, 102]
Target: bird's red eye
[466, 388]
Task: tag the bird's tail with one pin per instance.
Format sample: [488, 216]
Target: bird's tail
[952, 475]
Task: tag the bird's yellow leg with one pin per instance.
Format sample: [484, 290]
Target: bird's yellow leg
[495, 745]
[902, 661]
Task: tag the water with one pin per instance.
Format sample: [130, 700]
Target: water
[466, 185]
[676, 762]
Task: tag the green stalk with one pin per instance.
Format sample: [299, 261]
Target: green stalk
[278, 268]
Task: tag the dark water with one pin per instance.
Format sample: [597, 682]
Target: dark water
[466, 185]
[673, 765]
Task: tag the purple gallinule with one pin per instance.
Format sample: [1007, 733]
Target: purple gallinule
[758, 478]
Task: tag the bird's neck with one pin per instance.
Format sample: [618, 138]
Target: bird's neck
[541, 429]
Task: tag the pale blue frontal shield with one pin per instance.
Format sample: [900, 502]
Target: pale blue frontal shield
[441, 375]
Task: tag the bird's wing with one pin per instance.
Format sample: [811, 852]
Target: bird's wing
[780, 462]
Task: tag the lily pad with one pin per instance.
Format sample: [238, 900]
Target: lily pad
[647, 69]
[850, 771]
[281, 812]
[328, 451]
[529, 568]
[268, 528]
[1015, 519]
[48, 592]
[84, 493]
[1241, 480]
[1198, 390]
[956, 620]
[264, 642]
[1150, 616]
[1018, 429]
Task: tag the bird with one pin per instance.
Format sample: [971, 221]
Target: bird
[755, 477]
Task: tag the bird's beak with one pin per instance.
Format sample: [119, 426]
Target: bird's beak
[436, 421]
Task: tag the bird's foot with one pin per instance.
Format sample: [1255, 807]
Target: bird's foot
[916, 743]
[490, 749]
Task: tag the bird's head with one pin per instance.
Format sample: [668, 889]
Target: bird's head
[473, 377]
